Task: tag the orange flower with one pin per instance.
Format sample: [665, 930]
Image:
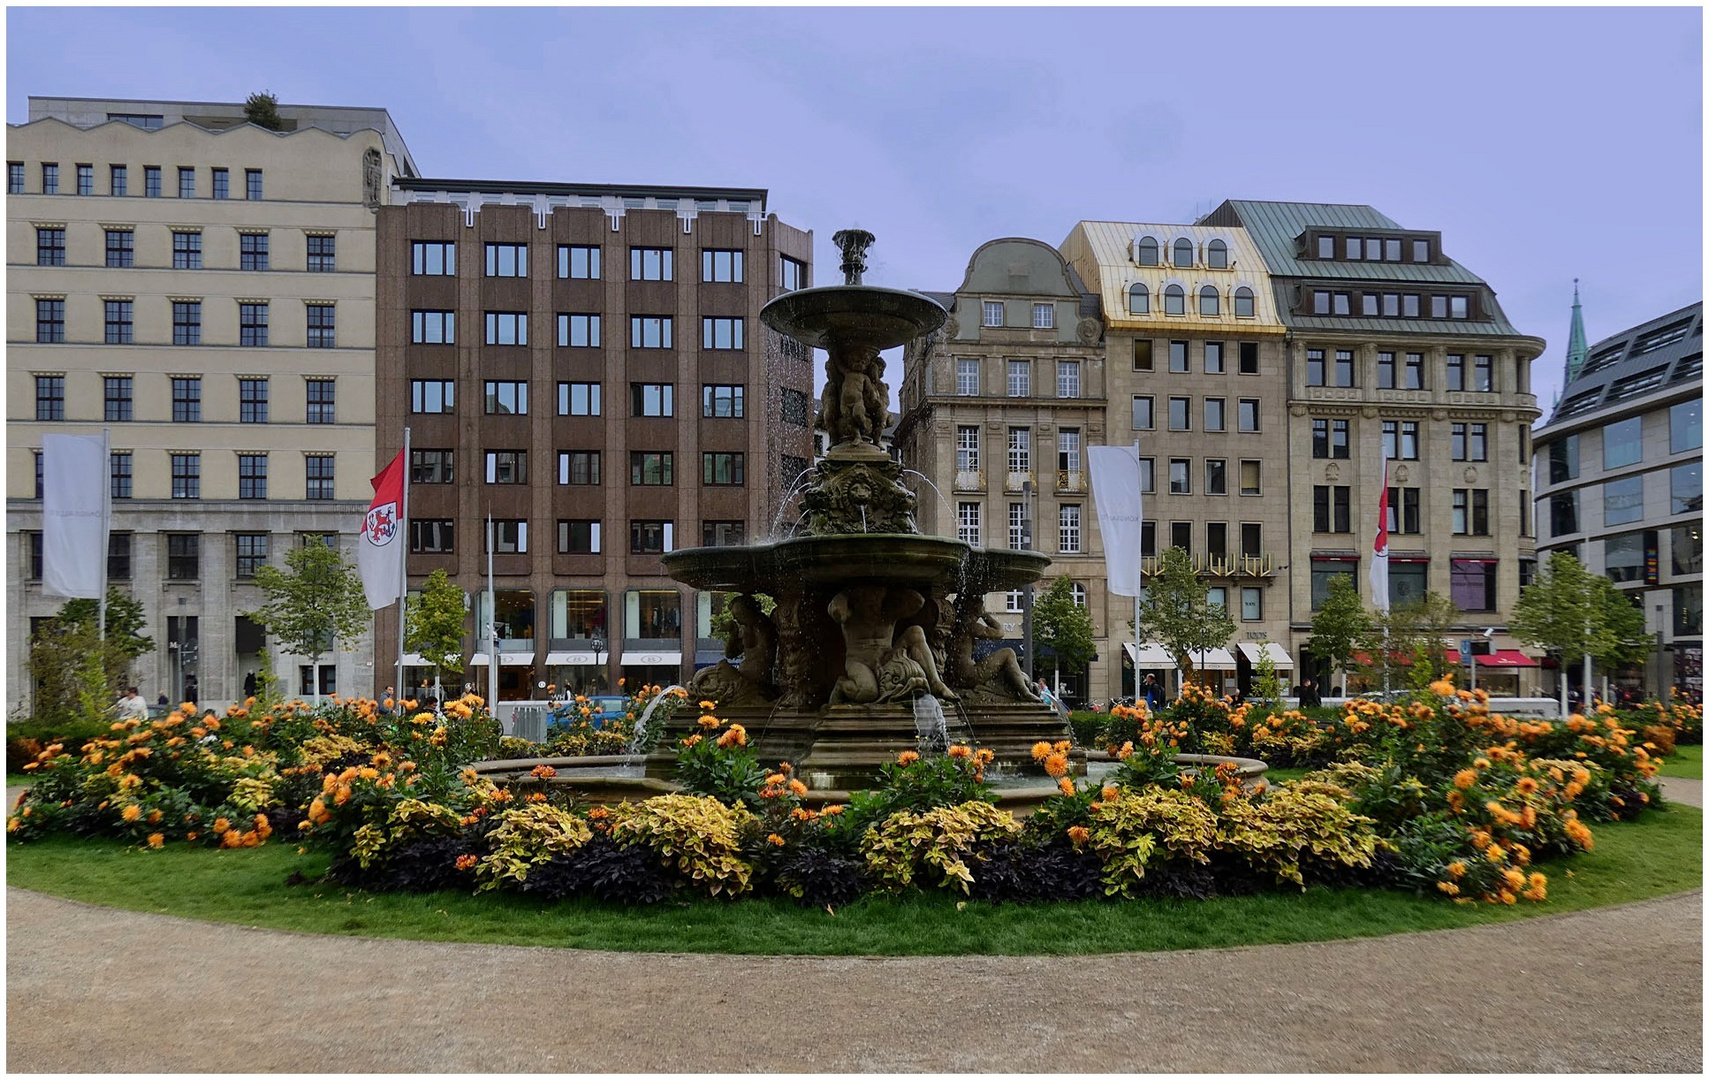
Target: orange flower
[467, 862]
[1040, 750]
[1109, 792]
[543, 772]
[220, 826]
[774, 839]
[907, 757]
[960, 750]
[131, 812]
[1065, 785]
[735, 734]
[1056, 765]
[156, 840]
[1465, 778]
[1078, 834]
[797, 788]
[710, 722]
[1526, 785]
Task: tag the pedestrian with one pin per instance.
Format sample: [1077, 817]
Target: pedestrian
[1152, 693]
[132, 705]
[1309, 697]
[161, 700]
[190, 689]
[249, 685]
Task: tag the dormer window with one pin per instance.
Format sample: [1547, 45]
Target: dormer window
[1139, 300]
[1355, 248]
[1174, 300]
[1146, 251]
[1216, 255]
[1326, 247]
[1421, 251]
[1210, 303]
[993, 313]
[1244, 303]
[1183, 252]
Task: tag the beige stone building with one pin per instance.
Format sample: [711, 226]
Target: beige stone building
[204, 290]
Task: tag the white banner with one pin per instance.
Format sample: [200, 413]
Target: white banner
[1116, 493]
[380, 548]
[74, 515]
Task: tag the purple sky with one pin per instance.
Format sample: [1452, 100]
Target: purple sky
[1543, 143]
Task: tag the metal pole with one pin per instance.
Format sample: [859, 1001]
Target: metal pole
[403, 570]
[106, 528]
[1027, 591]
[492, 626]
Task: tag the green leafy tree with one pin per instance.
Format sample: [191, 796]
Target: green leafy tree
[262, 110]
[1064, 627]
[433, 626]
[314, 601]
[1177, 613]
[75, 671]
[1573, 613]
[1339, 625]
[1407, 646]
[1266, 683]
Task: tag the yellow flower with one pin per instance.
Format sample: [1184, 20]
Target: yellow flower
[1442, 688]
[156, 840]
[1456, 869]
[131, 812]
[1465, 778]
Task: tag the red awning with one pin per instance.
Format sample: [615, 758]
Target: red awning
[1364, 659]
[1507, 658]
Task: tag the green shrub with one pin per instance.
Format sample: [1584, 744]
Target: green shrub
[1128, 831]
[699, 837]
[935, 846]
[525, 837]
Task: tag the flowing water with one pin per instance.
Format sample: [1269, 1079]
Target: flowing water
[643, 725]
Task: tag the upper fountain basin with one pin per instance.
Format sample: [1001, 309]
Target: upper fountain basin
[914, 561]
[862, 315]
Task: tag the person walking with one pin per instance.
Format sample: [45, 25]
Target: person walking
[1309, 697]
[133, 706]
[1152, 693]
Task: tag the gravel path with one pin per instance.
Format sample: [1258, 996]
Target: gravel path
[91, 989]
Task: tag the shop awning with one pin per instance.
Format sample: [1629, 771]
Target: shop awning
[1214, 660]
[1149, 655]
[652, 659]
[505, 659]
[1364, 659]
[571, 659]
[1506, 658]
[415, 659]
[1278, 655]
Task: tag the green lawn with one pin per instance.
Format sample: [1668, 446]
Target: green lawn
[1685, 762]
[1661, 855]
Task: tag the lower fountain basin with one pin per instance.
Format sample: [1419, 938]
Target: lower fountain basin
[893, 558]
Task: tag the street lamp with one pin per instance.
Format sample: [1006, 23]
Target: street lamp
[598, 664]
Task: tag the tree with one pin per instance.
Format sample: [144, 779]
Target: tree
[1339, 625]
[1574, 613]
[1064, 627]
[262, 110]
[1177, 613]
[433, 626]
[314, 601]
[75, 671]
[1408, 645]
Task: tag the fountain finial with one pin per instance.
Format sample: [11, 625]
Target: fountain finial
[853, 243]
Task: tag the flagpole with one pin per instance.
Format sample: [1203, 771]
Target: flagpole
[1139, 485]
[106, 524]
[403, 573]
[492, 627]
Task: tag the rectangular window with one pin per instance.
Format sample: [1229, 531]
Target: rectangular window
[1248, 414]
[1470, 442]
[1623, 500]
[1404, 515]
[649, 264]
[433, 257]
[14, 178]
[119, 473]
[252, 476]
[578, 331]
[1068, 450]
[506, 398]
[433, 327]
[118, 321]
[183, 556]
[723, 469]
[186, 399]
[319, 476]
[1250, 483]
[252, 324]
[1323, 571]
[967, 522]
[50, 322]
[118, 392]
[252, 183]
[252, 401]
[792, 273]
[506, 466]
[1180, 414]
[651, 399]
[151, 181]
[1216, 476]
[1068, 529]
[186, 476]
[322, 405]
[1483, 373]
[650, 332]
[1148, 475]
[186, 251]
[1685, 488]
[1343, 367]
[1020, 450]
[121, 247]
[252, 251]
[1142, 355]
[722, 402]
[1400, 440]
[1413, 375]
[795, 409]
[508, 537]
[1331, 508]
[251, 553]
[1471, 512]
[1623, 443]
[1216, 414]
[50, 247]
[578, 261]
[1018, 538]
[580, 467]
[432, 466]
[1216, 539]
[651, 537]
[186, 181]
[186, 322]
[717, 264]
[1456, 371]
[1686, 542]
[1020, 378]
[322, 254]
[119, 176]
[1314, 370]
[50, 178]
[967, 448]
[507, 328]
[119, 556]
[1181, 535]
[1563, 513]
[432, 396]
[1249, 358]
[1213, 358]
[50, 397]
[1471, 583]
[322, 327]
[1044, 316]
[1178, 361]
[1068, 378]
[992, 313]
[222, 183]
[966, 378]
[719, 332]
[1180, 476]
[1685, 426]
[507, 260]
[578, 537]
[578, 399]
[1329, 439]
[650, 468]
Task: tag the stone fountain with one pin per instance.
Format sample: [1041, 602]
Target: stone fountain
[871, 616]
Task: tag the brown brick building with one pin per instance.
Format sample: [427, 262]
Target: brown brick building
[586, 365]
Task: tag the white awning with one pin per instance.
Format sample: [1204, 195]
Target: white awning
[571, 659]
[1278, 655]
[652, 659]
[505, 659]
[415, 659]
[1215, 660]
[1149, 655]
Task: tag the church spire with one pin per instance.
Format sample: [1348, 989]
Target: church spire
[1576, 348]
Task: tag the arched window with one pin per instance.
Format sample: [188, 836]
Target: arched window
[1243, 303]
[1147, 251]
[1139, 299]
[1209, 302]
[1174, 300]
[1216, 255]
[1078, 591]
[1183, 252]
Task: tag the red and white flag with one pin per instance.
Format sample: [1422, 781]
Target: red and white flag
[1380, 549]
[380, 549]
